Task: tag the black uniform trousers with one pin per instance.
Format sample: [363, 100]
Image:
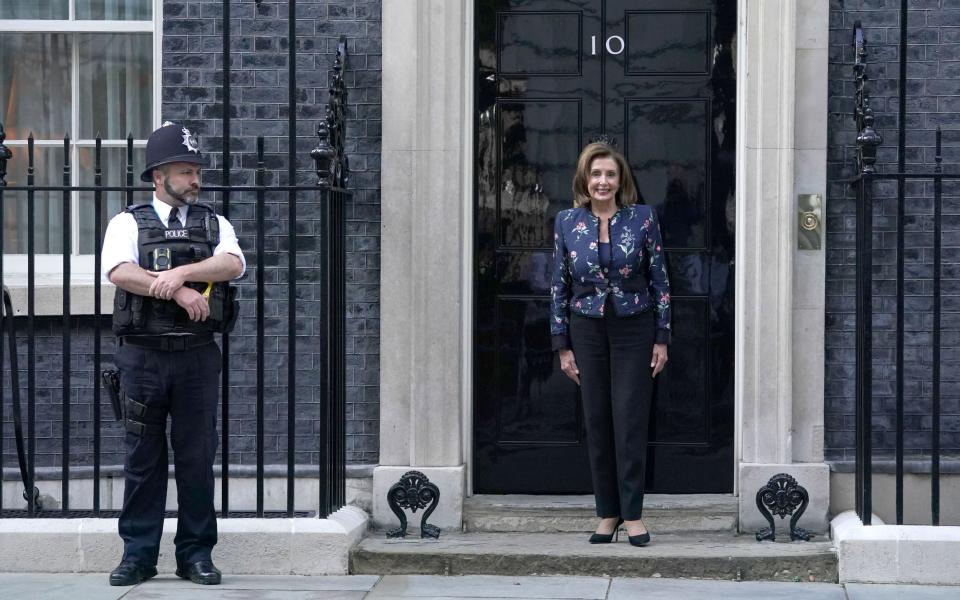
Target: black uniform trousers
[184, 385]
[616, 384]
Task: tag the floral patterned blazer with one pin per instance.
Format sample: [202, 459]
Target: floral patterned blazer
[636, 280]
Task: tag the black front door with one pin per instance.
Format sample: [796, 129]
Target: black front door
[656, 75]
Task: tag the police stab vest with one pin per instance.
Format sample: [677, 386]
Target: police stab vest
[161, 249]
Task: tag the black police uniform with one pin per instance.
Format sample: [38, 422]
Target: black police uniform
[170, 365]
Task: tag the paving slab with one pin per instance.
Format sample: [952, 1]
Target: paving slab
[148, 592]
[707, 556]
[674, 589]
[873, 591]
[95, 586]
[293, 583]
[487, 586]
[59, 586]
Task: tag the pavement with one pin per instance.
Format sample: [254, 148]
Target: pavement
[76, 586]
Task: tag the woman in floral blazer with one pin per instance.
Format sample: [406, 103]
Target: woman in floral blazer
[610, 315]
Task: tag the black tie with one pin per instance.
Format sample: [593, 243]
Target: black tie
[174, 220]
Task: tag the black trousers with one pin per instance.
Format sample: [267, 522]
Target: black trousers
[183, 385]
[613, 354]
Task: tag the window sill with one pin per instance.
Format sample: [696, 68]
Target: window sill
[48, 294]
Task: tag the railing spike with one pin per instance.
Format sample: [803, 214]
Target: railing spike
[867, 137]
[330, 157]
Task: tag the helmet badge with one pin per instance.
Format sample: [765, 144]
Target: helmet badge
[190, 142]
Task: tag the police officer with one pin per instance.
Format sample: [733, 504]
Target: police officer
[170, 259]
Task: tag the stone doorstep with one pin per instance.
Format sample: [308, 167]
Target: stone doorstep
[300, 546]
[706, 555]
[570, 514]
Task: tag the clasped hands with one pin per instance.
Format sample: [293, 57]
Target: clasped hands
[568, 363]
[168, 285]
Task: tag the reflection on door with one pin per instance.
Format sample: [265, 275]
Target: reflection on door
[656, 75]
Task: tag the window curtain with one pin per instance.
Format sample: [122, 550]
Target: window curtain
[116, 81]
[114, 10]
[35, 98]
[115, 97]
[34, 9]
[35, 85]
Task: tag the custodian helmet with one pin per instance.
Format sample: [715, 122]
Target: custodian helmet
[169, 144]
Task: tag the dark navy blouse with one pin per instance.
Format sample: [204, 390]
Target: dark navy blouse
[604, 249]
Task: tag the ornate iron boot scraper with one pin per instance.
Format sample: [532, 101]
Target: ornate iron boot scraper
[414, 491]
[783, 496]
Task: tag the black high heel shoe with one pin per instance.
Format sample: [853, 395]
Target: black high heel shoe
[606, 538]
[641, 539]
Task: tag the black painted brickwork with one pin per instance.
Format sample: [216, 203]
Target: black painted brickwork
[48, 340]
[933, 88]
[192, 77]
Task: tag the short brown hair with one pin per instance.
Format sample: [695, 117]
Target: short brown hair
[626, 195]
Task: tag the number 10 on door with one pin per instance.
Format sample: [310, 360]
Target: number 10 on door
[614, 44]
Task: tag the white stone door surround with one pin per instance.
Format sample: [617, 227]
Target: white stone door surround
[426, 415]
[782, 152]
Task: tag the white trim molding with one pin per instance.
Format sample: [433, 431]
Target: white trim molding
[64, 26]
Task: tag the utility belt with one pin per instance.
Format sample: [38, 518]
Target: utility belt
[167, 343]
[135, 315]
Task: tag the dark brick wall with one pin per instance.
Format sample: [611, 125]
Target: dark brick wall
[933, 92]
[48, 340]
[192, 78]
[191, 93]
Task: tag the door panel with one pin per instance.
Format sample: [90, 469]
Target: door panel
[554, 50]
[551, 75]
[668, 42]
[539, 139]
[529, 411]
[668, 143]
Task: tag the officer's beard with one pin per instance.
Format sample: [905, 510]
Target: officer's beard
[189, 195]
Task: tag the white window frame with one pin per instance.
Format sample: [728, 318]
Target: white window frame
[48, 268]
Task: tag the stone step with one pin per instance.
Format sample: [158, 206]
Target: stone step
[558, 514]
[703, 556]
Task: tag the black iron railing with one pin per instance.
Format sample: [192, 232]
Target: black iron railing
[328, 342]
[868, 140]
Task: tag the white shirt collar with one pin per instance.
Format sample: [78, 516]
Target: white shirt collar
[163, 211]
